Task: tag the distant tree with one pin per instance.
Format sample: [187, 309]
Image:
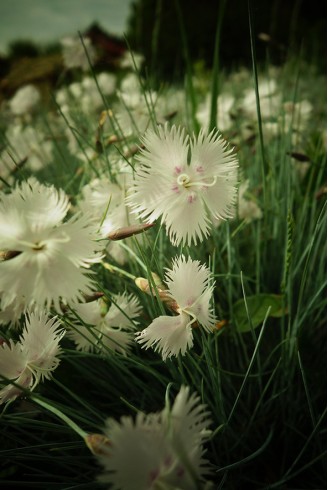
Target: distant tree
[23, 48]
[154, 29]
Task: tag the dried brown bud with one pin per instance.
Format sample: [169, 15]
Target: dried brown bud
[142, 284]
[145, 286]
[299, 156]
[263, 36]
[321, 192]
[9, 254]
[103, 117]
[98, 444]
[93, 297]
[19, 165]
[170, 116]
[112, 139]
[133, 150]
[128, 231]
[221, 324]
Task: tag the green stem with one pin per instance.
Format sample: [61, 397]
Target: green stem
[215, 74]
[258, 107]
[60, 415]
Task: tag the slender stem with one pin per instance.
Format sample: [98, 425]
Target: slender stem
[60, 415]
[258, 107]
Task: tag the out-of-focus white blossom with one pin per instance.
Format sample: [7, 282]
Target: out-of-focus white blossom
[13, 312]
[112, 328]
[26, 146]
[248, 209]
[85, 96]
[131, 60]
[295, 118]
[105, 203]
[51, 256]
[74, 54]
[134, 112]
[25, 100]
[270, 100]
[225, 103]
[33, 358]
[162, 450]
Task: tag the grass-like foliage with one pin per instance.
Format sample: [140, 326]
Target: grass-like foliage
[163, 259]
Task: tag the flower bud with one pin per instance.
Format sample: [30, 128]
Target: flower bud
[128, 231]
[98, 444]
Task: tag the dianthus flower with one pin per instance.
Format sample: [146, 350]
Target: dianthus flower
[111, 328]
[190, 287]
[104, 201]
[74, 53]
[161, 450]
[48, 257]
[185, 182]
[25, 100]
[33, 358]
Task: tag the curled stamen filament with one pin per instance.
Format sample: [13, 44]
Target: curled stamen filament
[193, 318]
[187, 312]
[202, 184]
[184, 180]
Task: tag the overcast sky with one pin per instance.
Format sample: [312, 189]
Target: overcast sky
[48, 20]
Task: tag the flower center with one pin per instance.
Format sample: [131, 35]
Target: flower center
[39, 246]
[183, 180]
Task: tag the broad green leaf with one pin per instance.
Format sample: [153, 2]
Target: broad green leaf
[258, 306]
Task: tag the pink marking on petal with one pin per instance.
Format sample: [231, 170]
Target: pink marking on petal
[200, 169]
[178, 170]
[191, 198]
[153, 475]
[180, 472]
[168, 461]
[175, 189]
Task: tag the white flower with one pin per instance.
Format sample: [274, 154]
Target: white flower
[80, 99]
[51, 255]
[33, 358]
[111, 329]
[190, 285]
[106, 82]
[138, 108]
[133, 114]
[25, 100]
[295, 119]
[224, 106]
[130, 84]
[13, 312]
[184, 194]
[74, 54]
[270, 100]
[91, 99]
[131, 60]
[161, 450]
[247, 209]
[105, 202]
[25, 144]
